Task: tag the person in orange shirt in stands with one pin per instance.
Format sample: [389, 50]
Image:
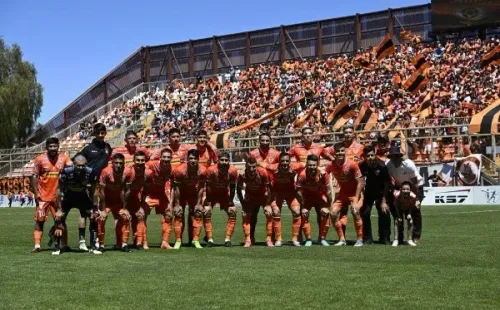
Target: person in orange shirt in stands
[351, 184]
[44, 183]
[128, 150]
[268, 155]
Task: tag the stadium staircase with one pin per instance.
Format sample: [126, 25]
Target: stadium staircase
[490, 172]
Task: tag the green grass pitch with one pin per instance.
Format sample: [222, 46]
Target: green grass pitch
[457, 266]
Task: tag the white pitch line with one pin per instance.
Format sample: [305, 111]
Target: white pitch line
[468, 212]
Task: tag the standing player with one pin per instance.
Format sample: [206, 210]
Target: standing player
[314, 191]
[407, 205]
[306, 147]
[350, 181]
[377, 184]
[111, 200]
[206, 150]
[404, 170]
[44, 182]
[179, 150]
[159, 196]
[74, 191]
[255, 181]
[353, 149]
[221, 187]
[97, 153]
[30, 198]
[282, 179]
[264, 154]
[189, 188]
[128, 150]
[138, 180]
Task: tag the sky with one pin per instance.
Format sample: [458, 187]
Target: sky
[73, 44]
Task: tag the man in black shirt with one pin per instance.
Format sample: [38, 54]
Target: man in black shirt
[376, 190]
[97, 153]
[74, 191]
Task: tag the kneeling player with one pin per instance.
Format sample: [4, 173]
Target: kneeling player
[111, 184]
[406, 204]
[221, 187]
[314, 191]
[74, 192]
[282, 179]
[159, 196]
[351, 183]
[189, 186]
[255, 181]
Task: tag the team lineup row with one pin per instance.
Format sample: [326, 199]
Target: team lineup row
[198, 179]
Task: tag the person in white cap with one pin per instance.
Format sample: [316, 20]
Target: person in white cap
[404, 170]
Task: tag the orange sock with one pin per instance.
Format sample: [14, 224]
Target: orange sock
[246, 226]
[166, 228]
[269, 227]
[145, 237]
[196, 228]
[231, 221]
[339, 229]
[37, 236]
[358, 225]
[306, 227]
[207, 224]
[178, 229]
[296, 228]
[101, 231]
[324, 225]
[343, 220]
[124, 227]
[277, 228]
[141, 228]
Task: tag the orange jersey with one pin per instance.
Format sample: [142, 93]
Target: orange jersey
[160, 178]
[179, 154]
[113, 186]
[300, 152]
[405, 203]
[283, 182]
[219, 182]
[269, 157]
[208, 157]
[128, 153]
[312, 187]
[353, 152]
[48, 175]
[189, 184]
[255, 186]
[346, 175]
[137, 182]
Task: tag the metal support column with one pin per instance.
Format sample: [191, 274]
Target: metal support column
[215, 56]
[247, 51]
[169, 63]
[293, 43]
[282, 44]
[147, 59]
[224, 52]
[176, 62]
[390, 22]
[191, 59]
[357, 29]
[319, 41]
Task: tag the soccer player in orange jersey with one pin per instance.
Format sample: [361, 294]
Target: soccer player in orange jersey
[406, 204]
[314, 191]
[282, 179]
[179, 150]
[221, 187]
[266, 154]
[138, 180]
[189, 188]
[306, 147]
[159, 196]
[206, 150]
[44, 182]
[128, 150]
[351, 184]
[111, 200]
[353, 149]
[255, 181]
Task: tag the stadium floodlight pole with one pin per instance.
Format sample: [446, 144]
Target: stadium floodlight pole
[224, 51]
[176, 62]
[293, 43]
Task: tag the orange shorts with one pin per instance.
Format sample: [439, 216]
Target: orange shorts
[159, 203]
[343, 202]
[42, 210]
[291, 201]
[315, 202]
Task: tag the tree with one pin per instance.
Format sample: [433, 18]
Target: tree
[21, 96]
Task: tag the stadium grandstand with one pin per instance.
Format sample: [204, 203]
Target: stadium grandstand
[389, 73]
